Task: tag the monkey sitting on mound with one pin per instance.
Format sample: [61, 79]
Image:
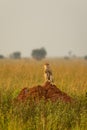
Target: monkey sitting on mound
[48, 73]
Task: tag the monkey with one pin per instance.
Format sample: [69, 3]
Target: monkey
[48, 73]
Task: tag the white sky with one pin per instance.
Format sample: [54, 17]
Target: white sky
[57, 25]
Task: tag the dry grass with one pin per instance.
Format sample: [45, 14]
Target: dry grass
[69, 75]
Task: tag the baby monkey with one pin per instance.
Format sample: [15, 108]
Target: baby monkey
[48, 73]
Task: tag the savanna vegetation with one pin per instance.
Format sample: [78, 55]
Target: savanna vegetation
[70, 76]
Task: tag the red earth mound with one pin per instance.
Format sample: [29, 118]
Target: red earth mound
[48, 92]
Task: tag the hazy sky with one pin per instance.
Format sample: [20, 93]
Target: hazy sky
[57, 25]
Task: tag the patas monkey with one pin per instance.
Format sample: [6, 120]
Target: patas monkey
[48, 73]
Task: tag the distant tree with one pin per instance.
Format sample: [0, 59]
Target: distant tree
[66, 57]
[1, 56]
[70, 53]
[74, 56]
[39, 54]
[85, 57]
[15, 55]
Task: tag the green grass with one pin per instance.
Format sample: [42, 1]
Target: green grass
[69, 75]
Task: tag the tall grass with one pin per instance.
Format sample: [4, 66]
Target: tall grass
[69, 75]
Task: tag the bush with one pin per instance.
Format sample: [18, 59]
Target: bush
[39, 54]
[1, 57]
[85, 57]
[15, 55]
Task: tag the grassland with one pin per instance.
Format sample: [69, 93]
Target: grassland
[69, 75]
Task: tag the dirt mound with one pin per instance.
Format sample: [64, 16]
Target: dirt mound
[48, 92]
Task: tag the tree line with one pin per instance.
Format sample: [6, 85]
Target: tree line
[38, 54]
